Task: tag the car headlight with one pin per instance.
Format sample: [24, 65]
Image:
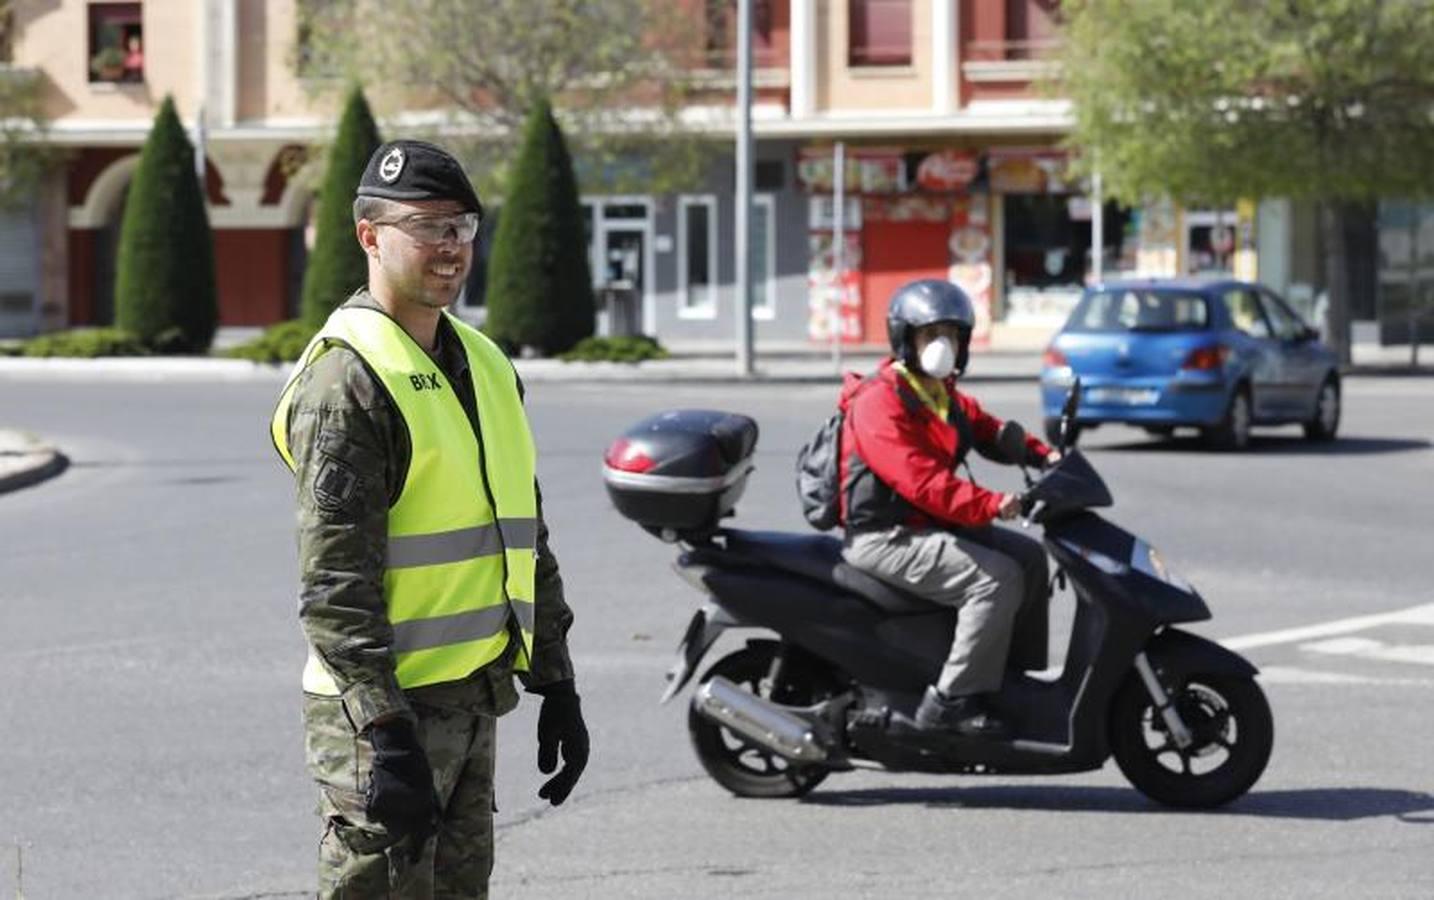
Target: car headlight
[1145, 558]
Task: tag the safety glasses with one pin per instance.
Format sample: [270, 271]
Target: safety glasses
[429, 228]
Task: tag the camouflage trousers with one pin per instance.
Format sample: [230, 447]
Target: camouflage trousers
[358, 858]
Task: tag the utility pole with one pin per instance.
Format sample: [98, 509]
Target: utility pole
[743, 217]
[838, 252]
[1414, 284]
[201, 139]
[1097, 230]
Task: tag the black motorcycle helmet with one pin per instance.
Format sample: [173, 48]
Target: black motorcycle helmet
[926, 302]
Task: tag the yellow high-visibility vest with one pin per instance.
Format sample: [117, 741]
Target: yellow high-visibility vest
[462, 534]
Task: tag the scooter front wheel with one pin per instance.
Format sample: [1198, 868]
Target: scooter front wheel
[1232, 729]
[740, 766]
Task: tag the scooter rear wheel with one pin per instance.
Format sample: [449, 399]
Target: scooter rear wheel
[740, 766]
[1233, 730]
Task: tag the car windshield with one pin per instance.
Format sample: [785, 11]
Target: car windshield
[1122, 309]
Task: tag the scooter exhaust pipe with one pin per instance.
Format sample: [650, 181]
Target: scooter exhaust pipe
[759, 721]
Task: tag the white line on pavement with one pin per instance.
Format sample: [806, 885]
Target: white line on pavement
[1414, 615]
[1294, 675]
[1369, 648]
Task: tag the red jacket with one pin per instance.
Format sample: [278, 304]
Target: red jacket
[899, 460]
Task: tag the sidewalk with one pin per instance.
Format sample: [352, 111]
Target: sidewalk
[697, 366]
[681, 367]
[25, 460]
[782, 368]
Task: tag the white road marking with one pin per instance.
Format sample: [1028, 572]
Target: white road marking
[1346, 645]
[1295, 675]
[1414, 615]
[1368, 648]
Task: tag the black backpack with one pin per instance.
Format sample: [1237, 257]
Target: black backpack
[819, 472]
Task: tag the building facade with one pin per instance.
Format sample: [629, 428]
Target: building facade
[953, 168]
[104, 68]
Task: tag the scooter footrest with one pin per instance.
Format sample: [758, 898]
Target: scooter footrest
[1043, 748]
[869, 718]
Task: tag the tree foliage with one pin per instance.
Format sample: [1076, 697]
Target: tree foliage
[539, 282]
[1209, 102]
[616, 69]
[164, 280]
[24, 155]
[338, 265]
[1224, 99]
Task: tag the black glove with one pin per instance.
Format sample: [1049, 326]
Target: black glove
[400, 793]
[560, 726]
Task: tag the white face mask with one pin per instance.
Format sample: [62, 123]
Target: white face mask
[938, 359]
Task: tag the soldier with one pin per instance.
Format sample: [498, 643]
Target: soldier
[426, 578]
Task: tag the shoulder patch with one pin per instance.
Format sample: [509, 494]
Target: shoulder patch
[335, 485]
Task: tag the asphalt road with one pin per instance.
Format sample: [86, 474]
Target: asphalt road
[149, 657]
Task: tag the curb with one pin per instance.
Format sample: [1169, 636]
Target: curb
[701, 370]
[993, 368]
[1363, 370]
[142, 368]
[32, 465]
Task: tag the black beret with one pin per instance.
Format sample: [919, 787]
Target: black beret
[417, 170]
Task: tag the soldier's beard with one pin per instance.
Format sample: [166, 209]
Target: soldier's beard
[416, 289]
[435, 299]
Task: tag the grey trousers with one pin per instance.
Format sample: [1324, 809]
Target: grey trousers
[998, 579]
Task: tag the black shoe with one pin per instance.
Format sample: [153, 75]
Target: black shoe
[967, 716]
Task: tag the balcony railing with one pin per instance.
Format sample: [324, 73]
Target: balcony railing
[762, 58]
[1011, 50]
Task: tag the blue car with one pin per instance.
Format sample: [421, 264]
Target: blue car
[1162, 354]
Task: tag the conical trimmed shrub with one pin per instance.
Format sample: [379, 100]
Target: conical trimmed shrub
[164, 273]
[338, 265]
[540, 285]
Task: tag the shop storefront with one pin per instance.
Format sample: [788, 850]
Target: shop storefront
[1045, 233]
[1010, 224]
[909, 214]
[1405, 294]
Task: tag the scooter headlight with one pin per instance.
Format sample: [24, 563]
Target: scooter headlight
[1106, 564]
[1145, 558]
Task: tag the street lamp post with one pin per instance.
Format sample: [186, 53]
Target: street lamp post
[743, 217]
[838, 252]
[1097, 230]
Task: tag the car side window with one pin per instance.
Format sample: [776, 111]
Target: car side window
[1245, 313]
[1287, 325]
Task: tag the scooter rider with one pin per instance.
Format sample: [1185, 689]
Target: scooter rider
[912, 521]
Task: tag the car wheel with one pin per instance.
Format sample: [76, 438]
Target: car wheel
[1326, 417]
[1053, 432]
[1233, 432]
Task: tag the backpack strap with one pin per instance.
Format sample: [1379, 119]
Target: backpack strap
[965, 437]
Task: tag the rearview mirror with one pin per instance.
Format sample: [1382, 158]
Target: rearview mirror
[1068, 414]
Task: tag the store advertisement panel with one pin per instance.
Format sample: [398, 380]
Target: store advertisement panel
[834, 291]
[889, 170]
[970, 251]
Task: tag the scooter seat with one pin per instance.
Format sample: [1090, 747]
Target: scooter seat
[818, 556]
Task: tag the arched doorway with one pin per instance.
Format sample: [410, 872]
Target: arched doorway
[107, 261]
[96, 229]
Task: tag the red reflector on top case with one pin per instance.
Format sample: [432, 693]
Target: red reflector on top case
[625, 456]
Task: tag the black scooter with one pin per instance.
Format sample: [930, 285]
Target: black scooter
[836, 688]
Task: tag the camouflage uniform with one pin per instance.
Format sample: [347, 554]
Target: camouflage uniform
[351, 450]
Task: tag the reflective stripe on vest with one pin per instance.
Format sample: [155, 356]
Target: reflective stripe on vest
[456, 568]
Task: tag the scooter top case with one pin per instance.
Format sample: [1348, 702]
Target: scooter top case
[678, 473]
